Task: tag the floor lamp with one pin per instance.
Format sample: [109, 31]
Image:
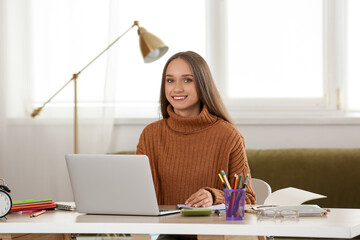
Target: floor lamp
[151, 47]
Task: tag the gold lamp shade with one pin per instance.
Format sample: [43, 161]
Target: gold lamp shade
[151, 47]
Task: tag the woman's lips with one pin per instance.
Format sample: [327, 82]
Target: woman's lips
[179, 98]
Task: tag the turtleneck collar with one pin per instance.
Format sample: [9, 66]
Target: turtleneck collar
[191, 124]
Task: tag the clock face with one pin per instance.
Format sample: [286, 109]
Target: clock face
[5, 204]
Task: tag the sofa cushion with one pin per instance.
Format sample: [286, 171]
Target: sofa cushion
[330, 172]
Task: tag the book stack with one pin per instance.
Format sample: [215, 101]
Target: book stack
[67, 206]
[32, 205]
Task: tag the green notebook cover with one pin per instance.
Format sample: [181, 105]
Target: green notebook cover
[30, 201]
[195, 212]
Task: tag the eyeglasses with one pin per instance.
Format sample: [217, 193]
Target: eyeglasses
[291, 214]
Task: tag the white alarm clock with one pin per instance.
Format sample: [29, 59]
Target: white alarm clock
[5, 200]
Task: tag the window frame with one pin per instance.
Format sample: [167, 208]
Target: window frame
[333, 66]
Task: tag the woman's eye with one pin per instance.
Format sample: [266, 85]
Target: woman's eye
[188, 80]
[169, 80]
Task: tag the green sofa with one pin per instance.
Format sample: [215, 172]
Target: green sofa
[332, 172]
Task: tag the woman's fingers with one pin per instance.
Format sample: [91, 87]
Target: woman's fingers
[201, 198]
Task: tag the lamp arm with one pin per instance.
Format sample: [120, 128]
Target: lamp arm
[107, 48]
[38, 110]
[75, 76]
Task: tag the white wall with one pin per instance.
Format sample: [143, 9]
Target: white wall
[268, 136]
[41, 172]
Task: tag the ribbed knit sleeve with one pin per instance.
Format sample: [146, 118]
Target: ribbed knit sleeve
[140, 149]
[149, 145]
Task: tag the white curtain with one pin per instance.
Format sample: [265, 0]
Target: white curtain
[3, 87]
[32, 150]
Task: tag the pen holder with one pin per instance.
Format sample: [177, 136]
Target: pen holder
[235, 203]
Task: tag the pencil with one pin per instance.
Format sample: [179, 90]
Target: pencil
[236, 179]
[37, 213]
[226, 180]
[239, 182]
[233, 197]
[245, 181]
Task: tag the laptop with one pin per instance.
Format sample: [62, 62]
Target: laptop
[113, 184]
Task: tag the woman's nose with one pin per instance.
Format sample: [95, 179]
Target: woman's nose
[178, 87]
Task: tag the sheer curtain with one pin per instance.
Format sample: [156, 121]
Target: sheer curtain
[2, 89]
[32, 150]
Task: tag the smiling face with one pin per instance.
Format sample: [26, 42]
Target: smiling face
[180, 88]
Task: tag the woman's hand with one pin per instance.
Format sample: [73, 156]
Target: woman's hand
[201, 198]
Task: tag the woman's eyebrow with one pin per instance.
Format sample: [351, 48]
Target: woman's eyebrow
[183, 75]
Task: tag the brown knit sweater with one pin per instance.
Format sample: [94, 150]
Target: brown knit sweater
[186, 154]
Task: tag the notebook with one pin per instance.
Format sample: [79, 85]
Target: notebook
[113, 184]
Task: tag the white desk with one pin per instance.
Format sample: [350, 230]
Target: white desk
[340, 223]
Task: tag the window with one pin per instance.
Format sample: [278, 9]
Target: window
[282, 55]
[276, 56]
[275, 49]
[353, 55]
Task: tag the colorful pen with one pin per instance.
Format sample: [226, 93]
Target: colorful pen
[222, 181]
[245, 181]
[226, 180]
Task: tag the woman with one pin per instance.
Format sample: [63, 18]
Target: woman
[196, 138]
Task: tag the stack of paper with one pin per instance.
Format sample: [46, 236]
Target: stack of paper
[32, 205]
[291, 196]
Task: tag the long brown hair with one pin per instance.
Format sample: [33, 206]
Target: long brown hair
[205, 86]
